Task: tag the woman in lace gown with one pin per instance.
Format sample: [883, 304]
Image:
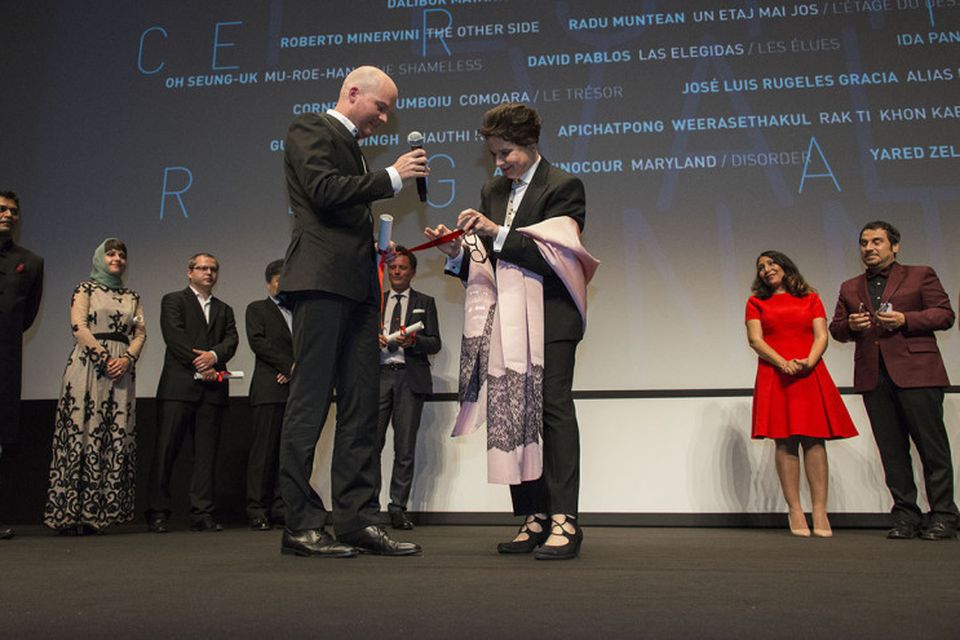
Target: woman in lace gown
[94, 441]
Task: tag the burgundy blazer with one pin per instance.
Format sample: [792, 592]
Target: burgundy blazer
[910, 354]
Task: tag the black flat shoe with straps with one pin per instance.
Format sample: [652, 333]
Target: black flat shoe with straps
[568, 550]
[534, 538]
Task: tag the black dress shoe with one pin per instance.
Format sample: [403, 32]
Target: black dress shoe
[5, 532]
[373, 539]
[206, 523]
[399, 520]
[260, 523]
[314, 543]
[904, 530]
[567, 551]
[84, 529]
[940, 531]
[157, 522]
[534, 538]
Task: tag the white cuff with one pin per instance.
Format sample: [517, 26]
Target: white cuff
[395, 180]
[500, 239]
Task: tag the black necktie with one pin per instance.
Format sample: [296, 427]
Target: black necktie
[395, 320]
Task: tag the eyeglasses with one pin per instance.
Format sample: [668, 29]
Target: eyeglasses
[472, 245]
[14, 210]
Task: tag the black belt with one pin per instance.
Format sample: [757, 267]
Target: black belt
[115, 337]
[396, 366]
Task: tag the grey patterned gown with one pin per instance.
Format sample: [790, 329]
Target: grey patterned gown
[92, 470]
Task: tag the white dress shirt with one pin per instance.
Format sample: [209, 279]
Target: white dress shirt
[387, 356]
[286, 313]
[517, 190]
[205, 305]
[352, 128]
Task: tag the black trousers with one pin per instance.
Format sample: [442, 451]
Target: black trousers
[334, 341]
[176, 418]
[898, 415]
[402, 407]
[263, 463]
[558, 489]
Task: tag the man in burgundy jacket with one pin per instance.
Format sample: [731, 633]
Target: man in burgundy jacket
[891, 312]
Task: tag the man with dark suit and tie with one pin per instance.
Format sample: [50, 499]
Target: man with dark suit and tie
[201, 336]
[529, 191]
[330, 278]
[891, 312]
[268, 332]
[21, 286]
[405, 379]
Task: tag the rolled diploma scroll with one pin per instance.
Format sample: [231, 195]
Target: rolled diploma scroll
[222, 375]
[386, 231]
[396, 335]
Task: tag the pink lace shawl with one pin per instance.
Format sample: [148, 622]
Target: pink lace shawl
[501, 356]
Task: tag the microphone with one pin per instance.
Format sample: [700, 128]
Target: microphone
[415, 140]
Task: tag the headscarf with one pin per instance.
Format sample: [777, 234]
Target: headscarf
[99, 272]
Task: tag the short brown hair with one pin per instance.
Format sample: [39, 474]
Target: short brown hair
[401, 250]
[514, 122]
[193, 259]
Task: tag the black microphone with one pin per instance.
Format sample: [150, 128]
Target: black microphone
[415, 140]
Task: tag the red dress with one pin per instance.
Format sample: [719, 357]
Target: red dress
[804, 405]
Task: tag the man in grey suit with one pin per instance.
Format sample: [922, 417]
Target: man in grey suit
[405, 379]
[21, 286]
[330, 280]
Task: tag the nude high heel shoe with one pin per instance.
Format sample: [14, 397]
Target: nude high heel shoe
[798, 525]
[821, 526]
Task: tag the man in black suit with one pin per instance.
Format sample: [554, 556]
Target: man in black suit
[268, 332]
[530, 191]
[405, 379]
[330, 277]
[201, 336]
[21, 286]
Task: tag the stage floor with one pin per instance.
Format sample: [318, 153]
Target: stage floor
[628, 583]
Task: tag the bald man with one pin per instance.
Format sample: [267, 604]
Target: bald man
[330, 280]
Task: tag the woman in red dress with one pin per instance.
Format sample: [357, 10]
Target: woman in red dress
[795, 401]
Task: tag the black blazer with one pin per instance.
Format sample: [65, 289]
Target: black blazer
[426, 344]
[551, 193]
[331, 248]
[21, 286]
[184, 329]
[272, 344]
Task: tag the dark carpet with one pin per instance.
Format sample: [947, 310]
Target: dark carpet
[628, 583]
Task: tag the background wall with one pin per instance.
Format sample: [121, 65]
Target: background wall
[704, 135]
